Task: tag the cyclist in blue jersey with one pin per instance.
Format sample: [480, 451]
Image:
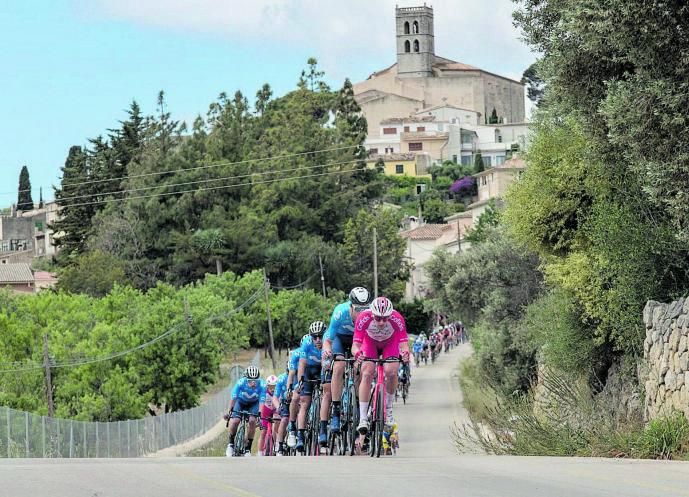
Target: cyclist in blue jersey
[309, 370]
[282, 406]
[247, 395]
[417, 348]
[292, 381]
[338, 342]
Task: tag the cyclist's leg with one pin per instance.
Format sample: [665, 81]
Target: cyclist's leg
[265, 413]
[325, 409]
[369, 351]
[391, 351]
[234, 422]
[305, 396]
[282, 426]
[341, 346]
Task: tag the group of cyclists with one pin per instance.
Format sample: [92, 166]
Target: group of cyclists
[444, 336]
[359, 332]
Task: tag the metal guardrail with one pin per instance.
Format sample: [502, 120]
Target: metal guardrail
[24, 434]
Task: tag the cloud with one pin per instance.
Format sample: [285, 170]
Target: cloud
[340, 33]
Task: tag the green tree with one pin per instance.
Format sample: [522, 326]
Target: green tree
[24, 200]
[478, 164]
[436, 210]
[94, 273]
[393, 270]
[535, 86]
[489, 219]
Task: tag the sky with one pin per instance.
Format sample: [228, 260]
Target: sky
[70, 68]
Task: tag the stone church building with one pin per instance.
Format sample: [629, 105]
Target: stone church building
[422, 80]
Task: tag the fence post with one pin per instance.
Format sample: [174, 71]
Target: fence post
[119, 438]
[107, 427]
[71, 438]
[97, 439]
[129, 445]
[26, 423]
[43, 434]
[9, 438]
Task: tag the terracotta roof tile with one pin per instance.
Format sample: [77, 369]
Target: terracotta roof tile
[426, 232]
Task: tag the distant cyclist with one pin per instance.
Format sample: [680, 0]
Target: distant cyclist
[338, 343]
[379, 332]
[248, 394]
[417, 348]
[310, 356]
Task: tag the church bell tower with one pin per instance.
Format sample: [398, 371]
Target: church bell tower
[415, 41]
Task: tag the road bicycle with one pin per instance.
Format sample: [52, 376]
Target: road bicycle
[343, 441]
[313, 419]
[403, 385]
[377, 407]
[240, 436]
[268, 448]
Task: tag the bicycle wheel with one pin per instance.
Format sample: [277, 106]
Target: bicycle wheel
[314, 418]
[239, 439]
[353, 420]
[380, 417]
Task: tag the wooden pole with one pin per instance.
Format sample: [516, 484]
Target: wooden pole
[266, 285]
[375, 263]
[320, 263]
[48, 379]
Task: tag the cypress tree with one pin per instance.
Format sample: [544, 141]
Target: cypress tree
[478, 164]
[24, 200]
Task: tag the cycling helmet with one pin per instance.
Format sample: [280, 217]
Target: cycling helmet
[317, 329]
[272, 380]
[305, 339]
[252, 373]
[359, 296]
[422, 335]
[381, 307]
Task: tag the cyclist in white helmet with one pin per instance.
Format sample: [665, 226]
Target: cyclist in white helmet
[268, 408]
[247, 395]
[379, 332]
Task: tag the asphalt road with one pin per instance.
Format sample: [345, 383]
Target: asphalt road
[427, 465]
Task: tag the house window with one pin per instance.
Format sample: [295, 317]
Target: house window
[416, 28]
[372, 151]
[466, 138]
[399, 169]
[389, 131]
[499, 160]
[454, 159]
[407, 47]
[420, 128]
[416, 46]
[487, 161]
[415, 146]
[498, 136]
[406, 129]
[466, 160]
[406, 28]
[483, 181]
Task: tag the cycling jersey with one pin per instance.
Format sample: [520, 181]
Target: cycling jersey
[380, 340]
[294, 360]
[311, 353]
[246, 394]
[394, 328]
[340, 322]
[281, 387]
[418, 346]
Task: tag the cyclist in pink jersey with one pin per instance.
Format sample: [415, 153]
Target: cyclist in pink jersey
[379, 332]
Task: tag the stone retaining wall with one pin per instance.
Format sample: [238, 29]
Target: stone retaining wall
[666, 354]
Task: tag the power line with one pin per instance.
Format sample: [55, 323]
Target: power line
[220, 164]
[251, 183]
[205, 180]
[167, 333]
[292, 287]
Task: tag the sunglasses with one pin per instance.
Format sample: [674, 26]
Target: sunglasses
[319, 337]
[360, 308]
[381, 318]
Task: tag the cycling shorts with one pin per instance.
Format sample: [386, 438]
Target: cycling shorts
[284, 409]
[252, 407]
[310, 373]
[266, 412]
[342, 345]
[373, 349]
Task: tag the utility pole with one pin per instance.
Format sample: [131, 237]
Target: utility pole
[375, 263]
[320, 263]
[459, 235]
[48, 381]
[266, 286]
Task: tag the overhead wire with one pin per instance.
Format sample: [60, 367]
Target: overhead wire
[215, 188]
[208, 180]
[207, 166]
[292, 287]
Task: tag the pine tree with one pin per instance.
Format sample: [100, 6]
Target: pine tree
[478, 164]
[493, 119]
[24, 200]
[75, 220]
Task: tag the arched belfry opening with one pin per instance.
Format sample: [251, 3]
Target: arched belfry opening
[407, 47]
[416, 46]
[406, 28]
[415, 27]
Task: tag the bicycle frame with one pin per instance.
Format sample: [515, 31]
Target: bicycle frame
[241, 432]
[378, 405]
[347, 434]
[269, 440]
